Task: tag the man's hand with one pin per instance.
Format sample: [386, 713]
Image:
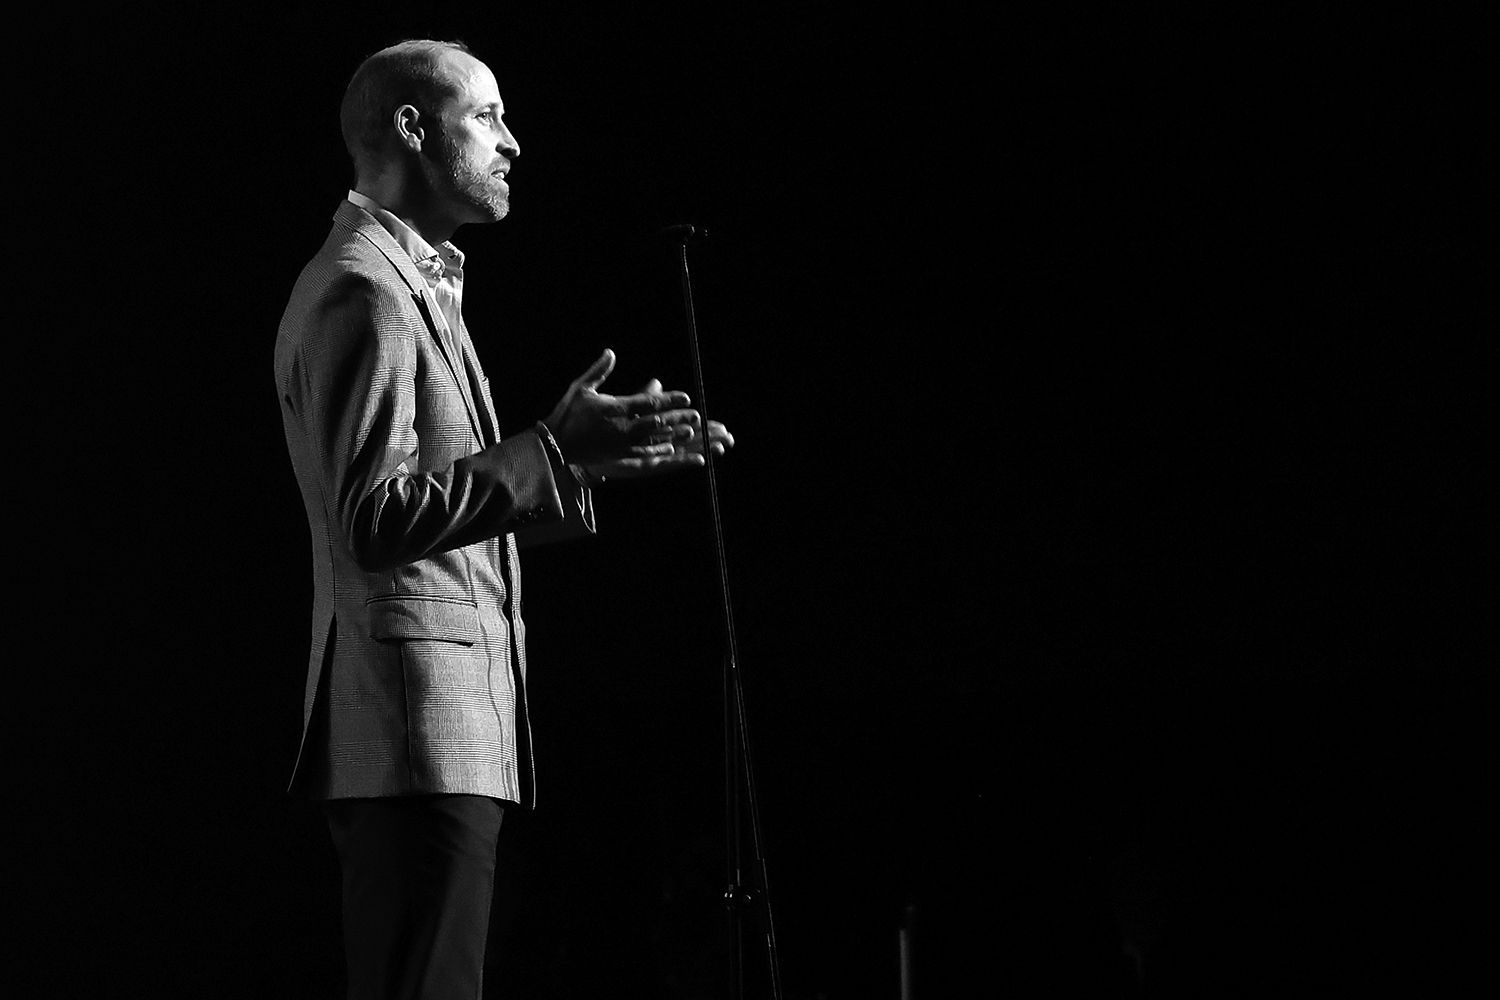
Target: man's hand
[686, 446]
[649, 432]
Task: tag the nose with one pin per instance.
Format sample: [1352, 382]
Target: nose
[507, 145]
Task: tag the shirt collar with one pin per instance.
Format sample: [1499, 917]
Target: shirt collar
[431, 263]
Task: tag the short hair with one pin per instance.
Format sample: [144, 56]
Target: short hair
[408, 72]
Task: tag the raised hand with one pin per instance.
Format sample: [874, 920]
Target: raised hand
[627, 435]
[686, 444]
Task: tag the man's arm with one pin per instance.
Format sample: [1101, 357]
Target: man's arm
[357, 407]
[358, 410]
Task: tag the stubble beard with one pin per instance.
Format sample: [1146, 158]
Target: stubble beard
[472, 184]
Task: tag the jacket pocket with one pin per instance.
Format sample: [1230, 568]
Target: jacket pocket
[414, 616]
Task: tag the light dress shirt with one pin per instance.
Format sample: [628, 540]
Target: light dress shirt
[442, 268]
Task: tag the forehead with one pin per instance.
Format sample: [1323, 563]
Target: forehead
[472, 81]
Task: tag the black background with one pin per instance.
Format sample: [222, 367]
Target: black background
[1101, 528]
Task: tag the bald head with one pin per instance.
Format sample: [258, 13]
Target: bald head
[425, 126]
[419, 72]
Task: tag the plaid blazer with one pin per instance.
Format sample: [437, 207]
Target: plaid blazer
[416, 677]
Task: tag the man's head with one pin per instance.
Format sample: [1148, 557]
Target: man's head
[423, 122]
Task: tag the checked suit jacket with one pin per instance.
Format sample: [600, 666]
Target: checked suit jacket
[416, 676]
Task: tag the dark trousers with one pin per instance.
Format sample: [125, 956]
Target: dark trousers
[419, 877]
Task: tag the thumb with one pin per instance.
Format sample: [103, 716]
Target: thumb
[598, 371]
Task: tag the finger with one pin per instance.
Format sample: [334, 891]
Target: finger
[652, 387]
[681, 456]
[652, 402]
[649, 450]
[719, 434]
[675, 434]
[680, 418]
[695, 447]
[655, 464]
[598, 371]
[666, 463]
[656, 423]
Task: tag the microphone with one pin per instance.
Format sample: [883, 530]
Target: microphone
[685, 232]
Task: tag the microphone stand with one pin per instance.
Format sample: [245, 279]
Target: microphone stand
[741, 898]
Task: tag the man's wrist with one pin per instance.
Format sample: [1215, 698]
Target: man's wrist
[582, 476]
[549, 445]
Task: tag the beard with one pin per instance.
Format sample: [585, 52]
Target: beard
[469, 182]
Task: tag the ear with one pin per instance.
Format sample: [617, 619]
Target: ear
[408, 123]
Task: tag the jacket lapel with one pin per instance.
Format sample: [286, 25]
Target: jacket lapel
[363, 223]
[476, 383]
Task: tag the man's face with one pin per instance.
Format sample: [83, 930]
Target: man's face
[474, 149]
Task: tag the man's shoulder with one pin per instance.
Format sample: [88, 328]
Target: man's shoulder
[349, 258]
[353, 247]
[349, 272]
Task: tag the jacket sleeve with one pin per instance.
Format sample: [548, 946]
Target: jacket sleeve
[358, 412]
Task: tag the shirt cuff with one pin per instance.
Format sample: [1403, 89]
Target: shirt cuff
[583, 477]
[549, 443]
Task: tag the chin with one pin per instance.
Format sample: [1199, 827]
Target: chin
[491, 209]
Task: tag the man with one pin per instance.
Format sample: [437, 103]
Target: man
[415, 721]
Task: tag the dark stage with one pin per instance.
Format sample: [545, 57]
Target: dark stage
[1102, 528]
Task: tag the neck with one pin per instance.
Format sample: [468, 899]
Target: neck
[413, 204]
